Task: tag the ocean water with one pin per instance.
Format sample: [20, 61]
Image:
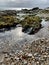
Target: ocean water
[4, 8]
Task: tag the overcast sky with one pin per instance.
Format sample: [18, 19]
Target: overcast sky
[24, 3]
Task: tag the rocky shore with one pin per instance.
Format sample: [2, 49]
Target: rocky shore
[36, 53]
[30, 24]
[8, 12]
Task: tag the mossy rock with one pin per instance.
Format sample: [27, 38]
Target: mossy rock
[32, 21]
[47, 18]
[6, 21]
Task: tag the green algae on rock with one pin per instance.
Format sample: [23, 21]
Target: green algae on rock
[47, 18]
[8, 21]
[33, 22]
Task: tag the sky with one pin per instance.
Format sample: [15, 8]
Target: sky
[24, 3]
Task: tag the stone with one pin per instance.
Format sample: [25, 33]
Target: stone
[16, 58]
[29, 55]
[25, 62]
[1, 58]
[35, 54]
[37, 62]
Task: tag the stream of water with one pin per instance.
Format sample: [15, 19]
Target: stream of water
[17, 36]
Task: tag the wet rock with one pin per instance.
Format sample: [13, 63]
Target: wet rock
[30, 55]
[36, 54]
[16, 58]
[1, 58]
[37, 62]
[25, 62]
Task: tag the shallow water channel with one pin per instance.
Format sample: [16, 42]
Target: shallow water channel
[16, 35]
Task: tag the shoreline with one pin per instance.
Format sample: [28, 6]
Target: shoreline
[34, 53]
[19, 48]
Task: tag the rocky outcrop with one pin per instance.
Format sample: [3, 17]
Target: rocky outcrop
[31, 24]
[8, 21]
[8, 12]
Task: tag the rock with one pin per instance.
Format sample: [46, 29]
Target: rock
[29, 55]
[10, 54]
[1, 58]
[48, 56]
[42, 60]
[12, 63]
[6, 56]
[35, 54]
[38, 62]
[31, 24]
[16, 58]
[32, 57]
[45, 57]
[8, 59]
[8, 12]
[25, 62]
[3, 64]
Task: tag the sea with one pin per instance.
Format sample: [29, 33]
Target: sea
[8, 8]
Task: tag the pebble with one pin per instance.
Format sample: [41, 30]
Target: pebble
[25, 62]
[26, 57]
[29, 55]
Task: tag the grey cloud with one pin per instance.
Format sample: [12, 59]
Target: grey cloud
[24, 3]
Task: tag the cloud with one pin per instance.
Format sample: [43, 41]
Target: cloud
[44, 1]
[24, 3]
